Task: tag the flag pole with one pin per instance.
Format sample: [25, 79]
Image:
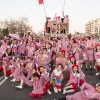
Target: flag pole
[44, 10]
[64, 5]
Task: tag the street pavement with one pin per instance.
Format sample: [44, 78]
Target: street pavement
[9, 92]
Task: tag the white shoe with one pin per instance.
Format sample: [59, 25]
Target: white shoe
[55, 90]
[64, 90]
[94, 67]
[6, 77]
[81, 65]
[13, 80]
[11, 75]
[19, 87]
[97, 74]
[49, 92]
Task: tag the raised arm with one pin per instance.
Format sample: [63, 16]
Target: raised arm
[55, 14]
[86, 85]
[63, 14]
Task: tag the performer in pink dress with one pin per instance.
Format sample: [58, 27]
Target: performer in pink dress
[57, 78]
[75, 80]
[90, 51]
[12, 61]
[87, 92]
[97, 59]
[44, 60]
[46, 80]
[36, 82]
[66, 19]
[31, 50]
[18, 74]
[6, 70]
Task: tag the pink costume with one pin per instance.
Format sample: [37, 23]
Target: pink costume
[61, 60]
[14, 48]
[44, 60]
[76, 52]
[95, 42]
[21, 48]
[97, 60]
[49, 21]
[18, 73]
[31, 51]
[53, 52]
[89, 93]
[37, 87]
[59, 45]
[8, 71]
[59, 20]
[12, 69]
[57, 77]
[16, 64]
[76, 79]
[64, 46]
[46, 82]
[28, 68]
[69, 68]
[89, 49]
[2, 49]
[66, 20]
[83, 48]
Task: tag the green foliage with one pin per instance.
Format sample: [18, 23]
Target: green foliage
[29, 33]
[1, 37]
[5, 32]
[21, 35]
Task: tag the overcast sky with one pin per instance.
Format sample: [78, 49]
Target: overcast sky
[79, 11]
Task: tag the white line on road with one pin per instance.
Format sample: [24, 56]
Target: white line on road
[1, 77]
[2, 81]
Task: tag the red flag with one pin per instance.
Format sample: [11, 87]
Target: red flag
[40, 2]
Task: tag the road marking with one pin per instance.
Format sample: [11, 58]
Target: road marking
[1, 78]
[2, 81]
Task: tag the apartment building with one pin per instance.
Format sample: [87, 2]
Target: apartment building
[93, 27]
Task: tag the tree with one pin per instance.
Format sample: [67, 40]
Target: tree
[20, 25]
[5, 32]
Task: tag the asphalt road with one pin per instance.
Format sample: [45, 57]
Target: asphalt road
[9, 92]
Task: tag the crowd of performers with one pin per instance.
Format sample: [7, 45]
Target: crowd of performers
[58, 20]
[41, 62]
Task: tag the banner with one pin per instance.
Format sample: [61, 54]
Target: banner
[40, 2]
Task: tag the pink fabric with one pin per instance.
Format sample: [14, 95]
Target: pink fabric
[89, 49]
[73, 79]
[45, 77]
[29, 67]
[97, 56]
[21, 49]
[2, 49]
[59, 20]
[37, 85]
[66, 20]
[31, 51]
[44, 60]
[48, 25]
[61, 60]
[64, 46]
[89, 93]
[95, 42]
[57, 78]
[18, 74]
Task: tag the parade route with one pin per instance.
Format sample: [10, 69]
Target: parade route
[9, 92]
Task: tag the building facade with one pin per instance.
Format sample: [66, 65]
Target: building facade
[93, 27]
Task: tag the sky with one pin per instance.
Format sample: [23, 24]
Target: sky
[79, 11]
